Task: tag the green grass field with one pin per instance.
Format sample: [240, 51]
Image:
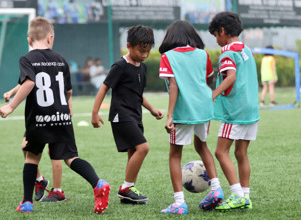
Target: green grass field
[275, 159]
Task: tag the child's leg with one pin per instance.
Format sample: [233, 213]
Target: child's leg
[57, 171]
[216, 195]
[264, 91]
[135, 159]
[222, 154]
[207, 158]
[24, 142]
[84, 169]
[271, 89]
[29, 174]
[241, 154]
[175, 156]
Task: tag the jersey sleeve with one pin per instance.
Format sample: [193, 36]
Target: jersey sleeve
[114, 76]
[26, 70]
[68, 84]
[165, 68]
[209, 68]
[227, 64]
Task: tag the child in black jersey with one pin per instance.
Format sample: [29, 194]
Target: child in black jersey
[127, 79]
[45, 82]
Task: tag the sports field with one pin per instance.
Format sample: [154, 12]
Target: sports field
[275, 159]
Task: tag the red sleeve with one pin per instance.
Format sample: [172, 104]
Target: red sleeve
[165, 68]
[226, 64]
[209, 68]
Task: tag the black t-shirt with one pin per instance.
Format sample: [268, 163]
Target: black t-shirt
[47, 114]
[127, 82]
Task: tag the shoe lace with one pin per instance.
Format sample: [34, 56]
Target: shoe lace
[38, 185]
[135, 191]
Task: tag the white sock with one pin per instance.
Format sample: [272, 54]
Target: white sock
[246, 191]
[236, 188]
[215, 184]
[57, 189]
[40, 178]
[126, 185]
[179, 197]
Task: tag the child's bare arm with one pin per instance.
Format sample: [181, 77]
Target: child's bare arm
[155, 112]
[22, 93]
[11, 93]
[97, 103]
[173, 96]
[228, 81]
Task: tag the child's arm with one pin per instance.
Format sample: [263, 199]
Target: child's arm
[69, 96]
[11, 93]
[228, 81]
[155, 112]
[173, 96]
[22, 93]
[97, 103]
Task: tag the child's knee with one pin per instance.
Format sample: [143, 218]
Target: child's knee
[143, 148]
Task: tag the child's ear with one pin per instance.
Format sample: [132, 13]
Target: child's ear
[29, 41]
[128, 45]
[222, 31]
[50, 38]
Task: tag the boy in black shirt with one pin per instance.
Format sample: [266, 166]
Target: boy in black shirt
[45, 81]
[127, 78]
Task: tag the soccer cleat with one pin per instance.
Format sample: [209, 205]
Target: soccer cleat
[40, 189]
[233, 202]
[126, 201]
[25, 207]
[101, 195]
[248, 205]
[54, 196]
[273, 103]
[176, 209]
[212, 199]
[132, 194]
[261, 104]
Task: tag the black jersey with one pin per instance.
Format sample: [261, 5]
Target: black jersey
[127, 82]
[47, 114]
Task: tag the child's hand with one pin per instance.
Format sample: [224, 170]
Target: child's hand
[7, 96]
[6, 110]
[157, 113]
[169, 126]
[95, 120]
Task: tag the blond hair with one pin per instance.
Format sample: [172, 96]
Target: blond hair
[39, 29]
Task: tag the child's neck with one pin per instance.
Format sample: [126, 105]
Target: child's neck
[130, 60]
[40, 45]
[230, 40]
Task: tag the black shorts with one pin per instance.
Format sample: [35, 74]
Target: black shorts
[57, 151]
[127, 135]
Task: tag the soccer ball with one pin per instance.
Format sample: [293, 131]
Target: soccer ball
[195, 178]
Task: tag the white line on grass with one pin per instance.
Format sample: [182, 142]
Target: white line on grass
[15, 118]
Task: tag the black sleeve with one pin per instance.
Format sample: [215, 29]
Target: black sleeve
[26, 70]
[145, 75]
[68, 84]
[114, 76]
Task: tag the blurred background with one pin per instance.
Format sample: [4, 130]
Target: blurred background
[92, 33]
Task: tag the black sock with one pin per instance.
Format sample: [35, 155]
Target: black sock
[85, 169]
[29, 178]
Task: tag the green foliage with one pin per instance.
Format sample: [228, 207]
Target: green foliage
[285, 69]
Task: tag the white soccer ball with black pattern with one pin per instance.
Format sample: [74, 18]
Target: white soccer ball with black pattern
[195, 178]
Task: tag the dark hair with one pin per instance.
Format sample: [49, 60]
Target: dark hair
[140, 35]
[269, 47]
[179, 34]
[227, 20]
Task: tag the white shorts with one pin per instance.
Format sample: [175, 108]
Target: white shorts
[238, 132]
[183, 132]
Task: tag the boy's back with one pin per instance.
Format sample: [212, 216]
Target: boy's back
[239, 104]
[47, 112]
